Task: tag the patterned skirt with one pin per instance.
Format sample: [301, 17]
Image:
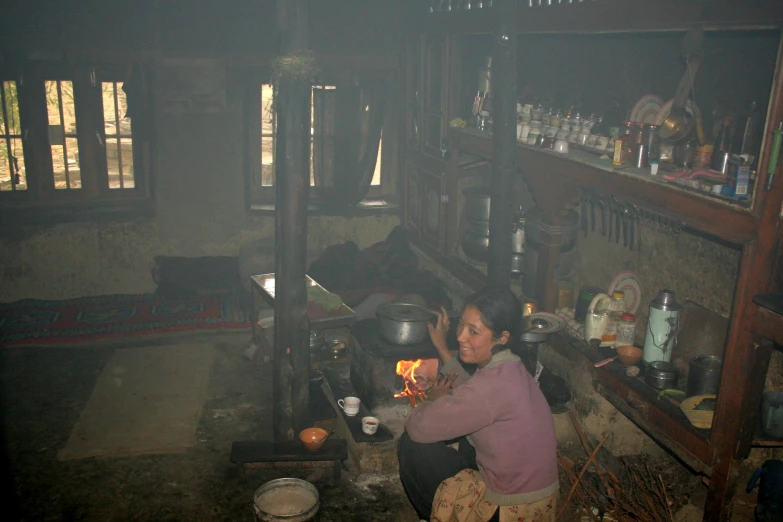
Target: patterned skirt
[461, 499]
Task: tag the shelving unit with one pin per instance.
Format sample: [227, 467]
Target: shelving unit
[557, 182]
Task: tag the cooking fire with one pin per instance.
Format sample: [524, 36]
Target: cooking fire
[417, 377]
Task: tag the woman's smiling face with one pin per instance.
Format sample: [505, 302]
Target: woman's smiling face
[476, 339]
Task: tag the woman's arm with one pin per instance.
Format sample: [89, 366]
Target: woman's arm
[463, 411]
[438, 335]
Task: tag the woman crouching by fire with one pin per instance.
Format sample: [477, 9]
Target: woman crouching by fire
[505, 467]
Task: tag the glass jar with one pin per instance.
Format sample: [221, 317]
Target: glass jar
[626, 330]
[616, 310]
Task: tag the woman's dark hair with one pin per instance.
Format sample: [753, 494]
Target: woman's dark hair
[500, 311]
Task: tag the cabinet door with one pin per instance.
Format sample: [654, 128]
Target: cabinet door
[413, 191]
[435, 56]
[413, 94]
[433, 228]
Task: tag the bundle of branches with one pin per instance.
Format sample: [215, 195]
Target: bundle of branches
[636, 494]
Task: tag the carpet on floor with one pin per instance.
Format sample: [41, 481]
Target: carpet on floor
[147, 400]
[35, 321]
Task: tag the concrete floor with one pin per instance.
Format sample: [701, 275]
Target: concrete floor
[44, 390]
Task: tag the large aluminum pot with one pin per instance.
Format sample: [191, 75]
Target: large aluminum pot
[475, 246]
[403, 323]
[477, 203]
[533, 229]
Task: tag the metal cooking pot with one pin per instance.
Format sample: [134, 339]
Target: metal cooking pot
[403, 323]
[477, 203]
[570, 229]
[704, 375]
[661, 375]
[475, 246]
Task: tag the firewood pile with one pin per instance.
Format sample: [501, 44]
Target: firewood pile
[610, 489]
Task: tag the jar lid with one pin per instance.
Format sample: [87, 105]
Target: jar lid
[618, 294]
[628, 317]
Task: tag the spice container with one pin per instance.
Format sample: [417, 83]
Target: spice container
[626, 330]
[661, 375]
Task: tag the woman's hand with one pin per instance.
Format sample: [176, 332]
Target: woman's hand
[441, 387]
[438, 334]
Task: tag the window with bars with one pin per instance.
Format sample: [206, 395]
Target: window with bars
[68, 149]
[322, 142]
[12, 170]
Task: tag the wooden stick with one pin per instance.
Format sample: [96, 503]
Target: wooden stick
[579, 479]
[666, 499]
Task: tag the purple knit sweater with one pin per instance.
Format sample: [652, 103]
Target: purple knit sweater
[509, 423]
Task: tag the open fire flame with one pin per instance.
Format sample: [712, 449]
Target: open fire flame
[415, 388]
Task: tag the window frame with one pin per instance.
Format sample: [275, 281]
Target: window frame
[41, 203]
[263, 198]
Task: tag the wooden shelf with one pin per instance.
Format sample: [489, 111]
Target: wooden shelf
[769, 317]
[614, 16]
[457, 267]
[659, 418]
[698, 210]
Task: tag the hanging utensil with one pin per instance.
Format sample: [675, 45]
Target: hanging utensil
[679, 123]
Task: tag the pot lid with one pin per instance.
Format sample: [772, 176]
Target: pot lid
[545, 323]
[403, 312]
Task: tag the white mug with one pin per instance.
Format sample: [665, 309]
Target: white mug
[350, 405]
[370, 425]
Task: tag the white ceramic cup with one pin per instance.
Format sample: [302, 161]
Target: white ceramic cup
[350, 405]
[370, 425]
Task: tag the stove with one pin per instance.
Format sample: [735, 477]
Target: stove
[374, 363]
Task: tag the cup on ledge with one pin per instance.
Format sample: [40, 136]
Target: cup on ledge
[350, 405]
[370, 425]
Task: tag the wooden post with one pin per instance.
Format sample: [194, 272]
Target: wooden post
[504, 143]
[292, 183]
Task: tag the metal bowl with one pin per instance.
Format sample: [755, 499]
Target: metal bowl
[286, 500]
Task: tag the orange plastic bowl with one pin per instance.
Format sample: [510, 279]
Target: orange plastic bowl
[629, 355]
[313, 438]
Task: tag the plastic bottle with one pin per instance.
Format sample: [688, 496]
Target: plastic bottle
[615, 309]
[722, 146]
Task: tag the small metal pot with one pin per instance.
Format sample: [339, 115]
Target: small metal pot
[704, 375]
[402, 323]
[477, 203]
[661, 375]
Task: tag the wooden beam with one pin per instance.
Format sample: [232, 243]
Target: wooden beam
[504, 143]
[292, 183]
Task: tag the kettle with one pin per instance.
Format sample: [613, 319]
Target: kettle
[770, 497]
[662, 326]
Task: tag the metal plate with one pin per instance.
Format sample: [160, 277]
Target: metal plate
[548, 323]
